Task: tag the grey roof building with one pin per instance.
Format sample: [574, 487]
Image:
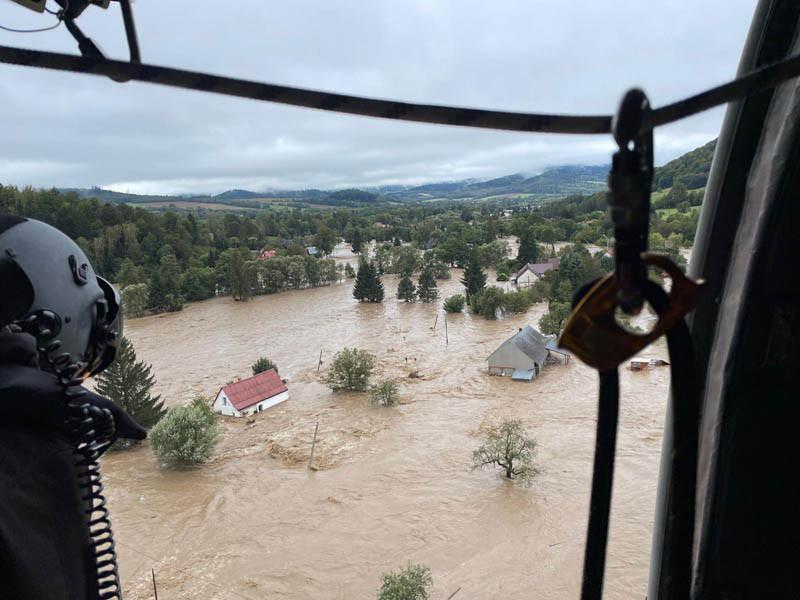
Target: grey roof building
[521, 356]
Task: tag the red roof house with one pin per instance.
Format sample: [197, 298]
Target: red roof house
[249, 396]
[267, 254]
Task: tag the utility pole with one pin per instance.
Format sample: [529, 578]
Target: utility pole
[155, 589]
[313, 445]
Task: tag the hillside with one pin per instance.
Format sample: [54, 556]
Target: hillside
[691, 169]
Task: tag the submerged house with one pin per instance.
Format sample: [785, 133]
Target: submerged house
[521, 356]
[248, 396]
[533, 272]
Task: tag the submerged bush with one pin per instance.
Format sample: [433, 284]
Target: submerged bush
[384, 393]
[186, 436]
[410, 583]
[263, 364]
[350, 370]
[454, 304]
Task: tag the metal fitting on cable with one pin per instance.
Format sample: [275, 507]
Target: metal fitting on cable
[629, 182]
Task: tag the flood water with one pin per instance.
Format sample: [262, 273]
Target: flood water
[394, 484]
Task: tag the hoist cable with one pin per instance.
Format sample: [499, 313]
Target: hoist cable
[760, 79]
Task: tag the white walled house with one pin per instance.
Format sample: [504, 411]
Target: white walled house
[252, 395]
[533, 272]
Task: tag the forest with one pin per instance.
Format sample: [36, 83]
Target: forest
[164, 258]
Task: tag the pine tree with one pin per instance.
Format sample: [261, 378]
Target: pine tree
[426, 286]
[368, 286]
[406, 290]
[361, 286]
[128, 383]
[528, 248]
[376, 286]
[474, 279]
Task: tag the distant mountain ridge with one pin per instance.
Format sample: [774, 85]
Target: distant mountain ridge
[691, 169]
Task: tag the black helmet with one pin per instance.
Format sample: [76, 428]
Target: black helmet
[48, 289]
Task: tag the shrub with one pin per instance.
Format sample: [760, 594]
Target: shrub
[384, 393]
[410, 583]
[186, 436]
[454, 304]
[518, 301]
[263, 364]
[350, 370]
[488, 302]
[502, 276]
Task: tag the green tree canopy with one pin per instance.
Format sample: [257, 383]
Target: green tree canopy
[384, 393]
[410, 583]
[406, 290]
[454, 304]
[474, 278]
[350, 370]
[187, 435]
[368, 286]
[263, 364]
[508, 446]
[128, 382]
[427, 290]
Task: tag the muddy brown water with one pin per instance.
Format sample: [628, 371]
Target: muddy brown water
[394, 483]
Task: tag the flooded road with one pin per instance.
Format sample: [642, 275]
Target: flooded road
[394, 483]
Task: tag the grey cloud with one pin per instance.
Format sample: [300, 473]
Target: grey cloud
[579, 56]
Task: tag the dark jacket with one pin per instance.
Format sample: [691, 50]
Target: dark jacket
[45, 549]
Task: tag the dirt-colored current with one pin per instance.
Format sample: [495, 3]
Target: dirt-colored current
[394, 483]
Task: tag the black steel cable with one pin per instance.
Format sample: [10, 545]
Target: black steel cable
[594, 559]
[763, 78]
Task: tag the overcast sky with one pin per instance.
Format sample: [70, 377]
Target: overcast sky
[578, 56]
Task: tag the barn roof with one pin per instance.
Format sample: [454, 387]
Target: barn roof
[532, 343]
[246, 392]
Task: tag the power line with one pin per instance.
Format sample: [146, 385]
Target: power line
[760, 79]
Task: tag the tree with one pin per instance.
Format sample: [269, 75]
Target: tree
[474, 279]
[454, 304]
[198, 283]
[406, 289]
[494, 253]
[325, 239]
[368, 286]
[128, 383]
[263, 364]
[349, 271]
[356, 240]
[186, 436]
[410, 583]
[134, 299]
[350, 370]
[553, 322]
[384, 393]
[427, 290]
[508, 446]
[488, 302]
[165, 291]
[130, 273]
[528, 248]
[238, 271]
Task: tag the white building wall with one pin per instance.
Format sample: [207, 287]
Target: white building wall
[220, 407]
[527, 278]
